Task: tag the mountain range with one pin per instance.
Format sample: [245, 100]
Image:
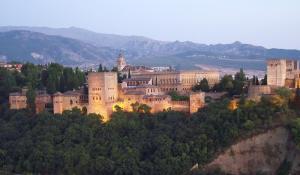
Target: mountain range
[79, 47]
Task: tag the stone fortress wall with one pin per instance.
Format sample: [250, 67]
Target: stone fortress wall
[256, 91]
[146, 86]
[283, 72]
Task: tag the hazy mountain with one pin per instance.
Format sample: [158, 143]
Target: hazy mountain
[184, 55]
[40, 48]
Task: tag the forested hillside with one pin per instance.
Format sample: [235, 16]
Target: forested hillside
[131, 143]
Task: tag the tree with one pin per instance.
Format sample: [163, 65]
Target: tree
[84, 110]
[264, 81]
[295, 128]
[284, 93]
[240, 76]
[204, 85]
[296, 102]
[135, 106]
[30, 95]
[249, 125]
[105, 69]
[254, 80]
[118, 108]
[143, 108]
[7, 83]
[129, 74]
[114, 69]
[55, 79]
[100, 69]
[176, 97]
[32, 74]
[225, 84]
[239, 82]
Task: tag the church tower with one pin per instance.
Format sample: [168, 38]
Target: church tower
[121, 63]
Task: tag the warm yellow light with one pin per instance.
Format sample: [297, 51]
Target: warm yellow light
[233, 105]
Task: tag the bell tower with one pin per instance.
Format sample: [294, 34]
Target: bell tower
[121, 63]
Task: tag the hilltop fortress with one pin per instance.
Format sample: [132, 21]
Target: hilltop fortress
[141, 86]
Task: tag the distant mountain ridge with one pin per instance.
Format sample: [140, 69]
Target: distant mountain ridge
[142, 50]
[26, 46]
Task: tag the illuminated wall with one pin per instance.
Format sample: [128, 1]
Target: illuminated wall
[103, 89]
[276, 71]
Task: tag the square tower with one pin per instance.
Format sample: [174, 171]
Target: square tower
[276, 72]
[103, 90]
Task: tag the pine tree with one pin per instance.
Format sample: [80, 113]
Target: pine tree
[253, 80]
[100, 69]
[129, 74]
[297, 98]
[264, 81]
[256, 81]
[30, 95]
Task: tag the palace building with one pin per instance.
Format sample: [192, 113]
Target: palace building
[283, 72]
[18, 100]
[103, 92]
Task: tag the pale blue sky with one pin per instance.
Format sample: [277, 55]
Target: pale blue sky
[271, 23]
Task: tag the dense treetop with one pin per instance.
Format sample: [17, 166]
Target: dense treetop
[131, 143]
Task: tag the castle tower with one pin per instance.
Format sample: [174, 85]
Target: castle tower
[58, 103]
[121, 63]
[197, 100]
[276, 71]
[103, 91]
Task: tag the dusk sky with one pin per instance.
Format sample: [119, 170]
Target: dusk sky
[270, 23]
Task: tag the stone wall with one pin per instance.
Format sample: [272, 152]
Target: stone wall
[18, 101]
[256, 91]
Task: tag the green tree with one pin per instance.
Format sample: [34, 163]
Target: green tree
[239, 82]
[7, 84]
[30, 95]
[32, 74]
[264, 81]
[143, 108]
[295, 128]
[249, 125]
[129, 74]
[177, 97]
[135, 106]
[118, 108]
[100, 68]
[55, 81]
[203, 86]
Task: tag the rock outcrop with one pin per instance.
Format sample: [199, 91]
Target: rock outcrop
[263, 153]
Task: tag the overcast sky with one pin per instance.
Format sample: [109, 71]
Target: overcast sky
[270, 23]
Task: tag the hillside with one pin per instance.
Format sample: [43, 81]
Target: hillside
[263, 153]
[39, 48]
[142, 50]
